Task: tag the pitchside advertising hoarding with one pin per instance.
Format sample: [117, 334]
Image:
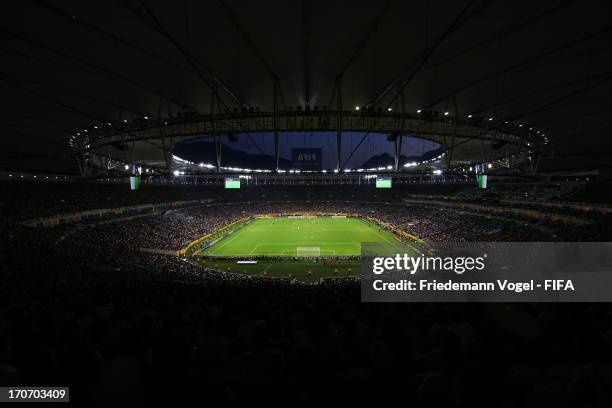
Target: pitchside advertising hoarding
[491, 272]
[306, 159]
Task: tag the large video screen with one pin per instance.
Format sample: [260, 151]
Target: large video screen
[232, 183]
[383, 182]
[482, 180]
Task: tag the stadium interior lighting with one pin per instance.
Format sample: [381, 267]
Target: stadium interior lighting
[489, 165]
[357, 108]
[335, 171]
[446, 113]
[126, 167]
[125, 120]
[418, 111]
[176, 172]
[469, 116]
[437, 172]
[490, 118]
[146, 118]
[389, 109]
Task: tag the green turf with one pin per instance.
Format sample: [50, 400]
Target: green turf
[285, 236]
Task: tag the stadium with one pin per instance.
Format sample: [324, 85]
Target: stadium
[193, 193]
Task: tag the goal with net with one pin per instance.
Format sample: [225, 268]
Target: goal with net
[308, 251]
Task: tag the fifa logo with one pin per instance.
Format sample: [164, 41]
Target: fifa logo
[307, 157]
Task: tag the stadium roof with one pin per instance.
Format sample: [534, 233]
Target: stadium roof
[75, 64]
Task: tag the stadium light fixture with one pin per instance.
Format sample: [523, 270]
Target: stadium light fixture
[418, 111]
[323, 171]
[357, 108]
[335, 171]
[95, 127]
[389, 109]
[389, 167]
[469, 116]
[437, 172]
[489, 165]
[146, 118]
[490, 119]
[446, 113]
[126, 167]
[125, 120]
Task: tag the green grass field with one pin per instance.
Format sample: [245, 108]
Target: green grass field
[306, 237]
[291, 237]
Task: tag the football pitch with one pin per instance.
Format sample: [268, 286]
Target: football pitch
[307, 237]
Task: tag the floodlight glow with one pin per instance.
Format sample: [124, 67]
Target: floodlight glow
[389, 109]
[437, 172]
[445, 113]
[357, 108]
[418, 111]
[176, 172]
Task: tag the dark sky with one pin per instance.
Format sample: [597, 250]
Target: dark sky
[374, 144]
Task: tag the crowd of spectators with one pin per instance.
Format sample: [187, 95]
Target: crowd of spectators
[81, 306]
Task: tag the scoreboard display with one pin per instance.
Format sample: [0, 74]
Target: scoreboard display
[232, 183]
[383, 182]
